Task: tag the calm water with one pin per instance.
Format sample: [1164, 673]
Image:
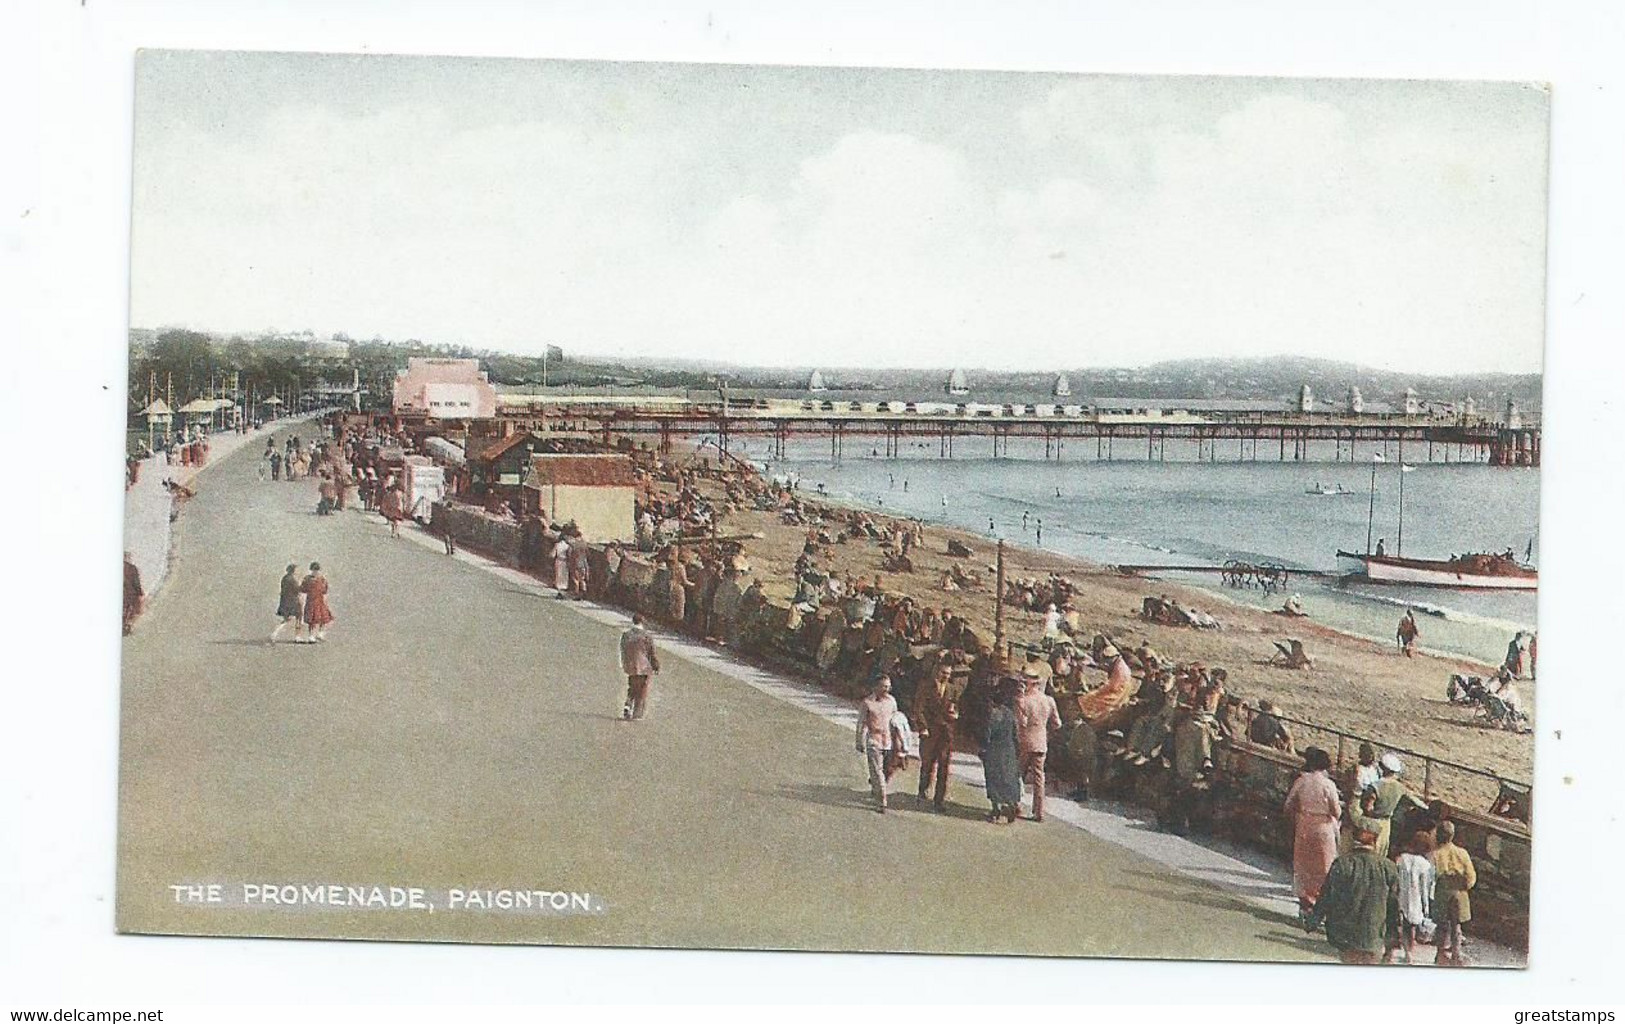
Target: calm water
[1179, 511]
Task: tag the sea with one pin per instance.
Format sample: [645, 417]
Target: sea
[1182, 509]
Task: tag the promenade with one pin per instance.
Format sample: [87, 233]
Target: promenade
[460, 730]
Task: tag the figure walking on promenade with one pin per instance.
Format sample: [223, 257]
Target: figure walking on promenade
[393, 507]
[289, 610]
[936, 713]
[639, 661]
[1315, 810]
[134, 595]
[1358, 901]
[561, 565]
[1036, 717]
[874, 736]
[1001, 763]
[317, 615]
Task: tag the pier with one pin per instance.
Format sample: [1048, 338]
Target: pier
[1066, 432]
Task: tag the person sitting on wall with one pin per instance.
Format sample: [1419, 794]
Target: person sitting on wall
[1267, 730]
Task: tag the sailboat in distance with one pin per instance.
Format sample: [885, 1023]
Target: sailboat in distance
[1473, 571]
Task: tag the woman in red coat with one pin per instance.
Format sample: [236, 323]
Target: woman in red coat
[317, 614]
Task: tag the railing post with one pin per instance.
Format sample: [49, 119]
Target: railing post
[1427, 779]
[1340, 738]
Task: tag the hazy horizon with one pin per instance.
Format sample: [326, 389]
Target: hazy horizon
[801, 217]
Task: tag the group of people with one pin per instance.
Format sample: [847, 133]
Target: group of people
[1012, 741]
[291, 461]
[1373, 866]
[302, 605]
[930, 661]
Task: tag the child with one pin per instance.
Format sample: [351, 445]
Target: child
[1455, 877]
[1416, 881]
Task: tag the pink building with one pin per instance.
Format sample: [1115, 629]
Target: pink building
[447, 389]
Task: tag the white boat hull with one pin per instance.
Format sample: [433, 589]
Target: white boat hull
[1374, 571]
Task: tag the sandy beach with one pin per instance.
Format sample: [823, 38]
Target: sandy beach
[1358, 685]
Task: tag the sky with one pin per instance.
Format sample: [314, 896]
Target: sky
[841, 217]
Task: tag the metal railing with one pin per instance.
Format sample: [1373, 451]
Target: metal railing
[1343, 746]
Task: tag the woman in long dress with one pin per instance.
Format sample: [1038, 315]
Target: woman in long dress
[1001, 763]
[1315, 809]
[393, 507]
[561, 565]
[317, 614]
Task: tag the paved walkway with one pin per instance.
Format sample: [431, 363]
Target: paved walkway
[460, 731]
[147, 505]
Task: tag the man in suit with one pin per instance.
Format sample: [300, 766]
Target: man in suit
[639, 662]
[936, 712]
[1036, 717]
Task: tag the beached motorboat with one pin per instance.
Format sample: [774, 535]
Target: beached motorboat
[1327, 490]
[1475, 571]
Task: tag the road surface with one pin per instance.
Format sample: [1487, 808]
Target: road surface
[461, 732]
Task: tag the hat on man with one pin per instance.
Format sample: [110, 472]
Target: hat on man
[1109, 651]
[1030, 671]
[1391, 763]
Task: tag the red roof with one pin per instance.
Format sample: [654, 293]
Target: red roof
[580, 471]
[497, 449]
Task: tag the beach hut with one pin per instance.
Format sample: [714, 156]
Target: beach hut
[158, 416]
[595, 491]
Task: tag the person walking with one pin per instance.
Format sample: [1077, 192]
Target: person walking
[639, 661]
[1001, 760]
[318, 616]
[1358, 902]
[1407, 634]
[874, 736]
[289, 611]
[936, 712]
[134, 595]
[393, 507]
[1315, 810]
[1036, 717]
[561, 565]
[1455, 877]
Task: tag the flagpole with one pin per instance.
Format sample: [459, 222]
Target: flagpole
[1400, 547]
[1371, 511]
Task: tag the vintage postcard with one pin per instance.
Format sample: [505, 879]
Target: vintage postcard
[832, 509]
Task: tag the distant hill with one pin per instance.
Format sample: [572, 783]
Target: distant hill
[1221, 379]
[1214, 379]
